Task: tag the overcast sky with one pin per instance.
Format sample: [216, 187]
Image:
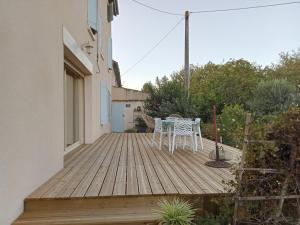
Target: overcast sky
[257, 35]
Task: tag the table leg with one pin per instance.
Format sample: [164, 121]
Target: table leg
[170, 142]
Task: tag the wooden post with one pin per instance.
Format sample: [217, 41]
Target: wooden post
[216, 133]
[186, 55]
[241, 167]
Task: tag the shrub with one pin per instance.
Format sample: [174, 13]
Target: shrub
[176, 212]
[207, 130]
[273, 96]
[232, 121]
[221, 215]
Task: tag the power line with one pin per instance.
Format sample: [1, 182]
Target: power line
[217, 10]
[245, 8]
[158, 10]
[155, 46]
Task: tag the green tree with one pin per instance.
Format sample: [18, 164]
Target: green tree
[227, 84]
[288, 67]
[232, 121]
[167, 97]
[273, 96]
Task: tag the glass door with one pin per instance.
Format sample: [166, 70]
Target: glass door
[73, 110]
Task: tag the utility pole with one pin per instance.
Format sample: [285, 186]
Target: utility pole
[186, 56]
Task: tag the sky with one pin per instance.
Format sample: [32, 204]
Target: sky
[257, 35]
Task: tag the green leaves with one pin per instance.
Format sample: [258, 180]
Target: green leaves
[167, 97]
[232, 121]
[176, 212]
[224, 84]
[273, 96]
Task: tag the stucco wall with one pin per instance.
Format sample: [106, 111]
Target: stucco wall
[126, 94]
[130, 114]
[32, 96]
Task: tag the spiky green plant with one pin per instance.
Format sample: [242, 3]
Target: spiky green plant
[176, 212]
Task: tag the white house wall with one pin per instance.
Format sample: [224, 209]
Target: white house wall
[32, 93]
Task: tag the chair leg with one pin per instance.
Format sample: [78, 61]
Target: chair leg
[193, 143]
[201, 141]
[173, 145]
[153, 138]
[160, 141]
[195, 140]
[170, 141]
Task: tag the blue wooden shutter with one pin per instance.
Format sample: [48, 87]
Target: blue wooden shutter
[110, 12]
[109, 54]
[92, 14]
[103, 105]
[109, 104]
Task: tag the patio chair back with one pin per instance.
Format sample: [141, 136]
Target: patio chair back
[158, 125]
[183, 127]
[197, 121]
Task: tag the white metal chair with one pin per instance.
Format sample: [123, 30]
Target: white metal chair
[158, 128]
[197, 131]
[183, 128]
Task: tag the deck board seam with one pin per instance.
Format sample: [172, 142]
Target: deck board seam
[86, 158]
[163, 166]
[99, 154]
[146, 144]
[106, 153]
[139, 152]
[167, 157]
[114, 151]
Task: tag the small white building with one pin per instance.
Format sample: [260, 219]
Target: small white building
[127, 106]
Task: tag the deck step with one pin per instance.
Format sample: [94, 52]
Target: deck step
[90, 211]
[90, 218]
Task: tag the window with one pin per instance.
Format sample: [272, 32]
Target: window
[92, 14]
[109, 54]
[128, 105]
[105, 104]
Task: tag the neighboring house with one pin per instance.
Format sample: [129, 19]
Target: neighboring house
[55, 90]
[127, 106]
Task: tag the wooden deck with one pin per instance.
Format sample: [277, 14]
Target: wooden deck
[127, 165]
[120, 179]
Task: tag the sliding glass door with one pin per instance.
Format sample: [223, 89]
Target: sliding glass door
[73, 110]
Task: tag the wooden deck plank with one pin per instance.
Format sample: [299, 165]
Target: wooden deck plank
[163, 176]
[83, 186]
[222, 173]
[120, 183]
[110, 178]
[82, 174]
[211, 182]
[88, 157]
[174, 178]
[132, 180]
[97, 183]
[143, 182]
[208, 174]
[127, 164]
[189, 180]
[191, 172]
[154, 181]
